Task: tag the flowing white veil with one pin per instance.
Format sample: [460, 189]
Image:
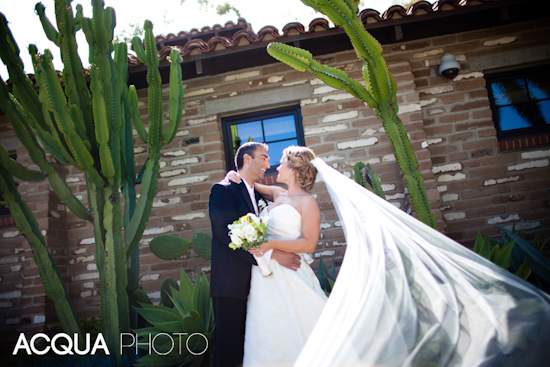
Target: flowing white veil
[407, 295]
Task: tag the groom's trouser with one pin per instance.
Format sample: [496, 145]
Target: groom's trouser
[230, 318]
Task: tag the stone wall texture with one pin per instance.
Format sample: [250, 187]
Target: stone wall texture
[471, 184]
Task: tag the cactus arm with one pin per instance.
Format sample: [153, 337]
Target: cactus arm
[9, 49]
[65, 194]
[98, 25]
[133, 103]
[101, 126]
[49, 30]
[22, 129]
[380, 91]
[9, 53]
[51, 146]
[55, 137]
[97, 205]
[154, 90]
[78, 17]
[56, 101]
[129, 192]
[397, 135]
[176, 95]
[143, 208]
[138, 48]
[302, 60]
[75, 82]
[49, 273]
[27, 138]
[16, 169]
[109, 23]
[129, 173]
[115, 260]
[119, 111]
[87, 28]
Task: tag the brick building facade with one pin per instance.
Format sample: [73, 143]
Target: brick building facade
[473, 177]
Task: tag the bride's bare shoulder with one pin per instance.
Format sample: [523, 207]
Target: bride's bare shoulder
[308, 201]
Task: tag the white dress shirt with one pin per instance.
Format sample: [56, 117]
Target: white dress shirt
[251, 192]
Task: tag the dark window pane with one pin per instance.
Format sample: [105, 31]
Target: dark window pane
[539, 88]
[250, 131]
[544, 107]
[276, 150]
[510, 119]
[509, 91]
[279, 128]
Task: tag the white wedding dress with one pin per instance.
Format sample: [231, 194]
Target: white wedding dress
[284, 307]
[406, 295]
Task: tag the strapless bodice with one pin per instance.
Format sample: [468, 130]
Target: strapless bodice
[285, 222]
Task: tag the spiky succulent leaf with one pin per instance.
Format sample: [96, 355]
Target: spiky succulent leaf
[166, 292]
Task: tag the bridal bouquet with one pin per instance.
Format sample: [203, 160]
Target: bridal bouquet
[247, 232]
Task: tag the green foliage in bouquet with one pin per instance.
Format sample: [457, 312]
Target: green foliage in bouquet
[248, 231]
[193, 313]
[85, 121]
[379, 93]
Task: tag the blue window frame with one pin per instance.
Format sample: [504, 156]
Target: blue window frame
[520, 101]
[277, 128]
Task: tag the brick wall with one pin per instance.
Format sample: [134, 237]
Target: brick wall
[471, 183]
[481, 184]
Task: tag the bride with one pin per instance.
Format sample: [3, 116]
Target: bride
[407, 295]
[283, 308]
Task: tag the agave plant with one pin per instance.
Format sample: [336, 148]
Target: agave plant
[531, 253]
[84, 120]
[184, 334]
[515, 254]
[326, 280]
[379, 93]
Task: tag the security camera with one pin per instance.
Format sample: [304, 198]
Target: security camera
[449, 66]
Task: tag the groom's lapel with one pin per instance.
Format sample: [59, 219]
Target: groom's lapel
[244, 193]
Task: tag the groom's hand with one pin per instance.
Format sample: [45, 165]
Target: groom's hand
[287, 259]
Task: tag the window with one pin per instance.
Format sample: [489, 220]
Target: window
[278, 129]
[520, 101]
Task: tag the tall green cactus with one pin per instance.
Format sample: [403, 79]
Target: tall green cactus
[379, 93]
[90, 128]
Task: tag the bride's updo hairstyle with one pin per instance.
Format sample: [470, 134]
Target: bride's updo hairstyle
[299, 159]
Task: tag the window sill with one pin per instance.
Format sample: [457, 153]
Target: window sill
[524, 142]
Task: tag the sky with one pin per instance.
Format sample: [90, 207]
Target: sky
[168, 16]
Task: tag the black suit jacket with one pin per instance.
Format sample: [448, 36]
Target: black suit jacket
[231, 269]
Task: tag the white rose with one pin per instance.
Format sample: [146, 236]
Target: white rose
[249, 233]
[236, 240]
[237, 231]
[256, 220]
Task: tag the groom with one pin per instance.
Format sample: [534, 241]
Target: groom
[231, 269]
